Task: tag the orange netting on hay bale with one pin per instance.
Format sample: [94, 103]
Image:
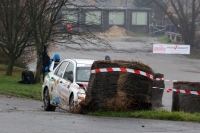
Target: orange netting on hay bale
[118, 91]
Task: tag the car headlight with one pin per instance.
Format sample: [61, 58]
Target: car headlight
[81, 95]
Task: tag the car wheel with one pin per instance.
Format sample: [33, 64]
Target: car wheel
[46, 100]
[71, 103]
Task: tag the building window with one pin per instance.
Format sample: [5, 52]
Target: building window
[116, 18]
[93, 18]
[69, 17]
[139, 18]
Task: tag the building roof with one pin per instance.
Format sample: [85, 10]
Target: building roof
[106, 8]
[108, 4]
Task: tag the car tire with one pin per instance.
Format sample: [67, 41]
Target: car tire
[46, 100]
[71, 104]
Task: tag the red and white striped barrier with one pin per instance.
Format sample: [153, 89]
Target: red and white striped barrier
[184, 91]
[158, 79]
[158, 88]
[99, 70]
[167, 80]
[179, 91]
[122, 70]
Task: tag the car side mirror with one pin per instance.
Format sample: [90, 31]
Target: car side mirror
[70, 77]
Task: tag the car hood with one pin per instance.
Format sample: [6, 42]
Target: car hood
[85, 84]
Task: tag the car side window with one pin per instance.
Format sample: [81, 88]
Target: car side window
[70, 68]
[60, 70]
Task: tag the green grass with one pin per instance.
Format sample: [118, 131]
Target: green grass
[164, 39]
[152, 114]
[9, 85]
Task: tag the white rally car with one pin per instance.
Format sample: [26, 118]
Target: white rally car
[65, 86]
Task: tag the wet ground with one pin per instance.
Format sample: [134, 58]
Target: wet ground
[27, 116]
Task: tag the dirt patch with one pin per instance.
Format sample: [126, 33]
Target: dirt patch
[116, 31]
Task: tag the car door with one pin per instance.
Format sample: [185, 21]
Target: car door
[64, 85]
[70, 70]
[57, 77]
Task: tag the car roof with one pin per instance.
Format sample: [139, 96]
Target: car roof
[82, 61]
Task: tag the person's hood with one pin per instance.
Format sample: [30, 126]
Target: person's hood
[56, 57]
[107, 57]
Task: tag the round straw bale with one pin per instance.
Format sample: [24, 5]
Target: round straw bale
[186, 102]
[118, 90]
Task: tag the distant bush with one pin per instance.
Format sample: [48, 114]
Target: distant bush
[27, 56]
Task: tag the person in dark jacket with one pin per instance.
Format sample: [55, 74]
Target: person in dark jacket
[27, 77]
[45, 61]
[56, 59]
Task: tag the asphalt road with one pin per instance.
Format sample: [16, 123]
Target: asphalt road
[27, 116]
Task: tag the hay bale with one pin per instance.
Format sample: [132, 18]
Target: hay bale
[118, 91]
[186, 102]
[157, 94]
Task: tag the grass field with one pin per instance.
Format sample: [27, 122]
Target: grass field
[9, 85]
[164, 39]
[152, 114]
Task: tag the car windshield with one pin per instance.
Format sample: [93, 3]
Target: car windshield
[83, 74]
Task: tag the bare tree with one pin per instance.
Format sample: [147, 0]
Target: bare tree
[24, 22]
[15, 30]
[43, 16]
[183, 15]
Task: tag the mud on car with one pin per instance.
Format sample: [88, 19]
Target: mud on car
[65, 86]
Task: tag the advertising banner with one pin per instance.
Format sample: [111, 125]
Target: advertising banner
[171, 49]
